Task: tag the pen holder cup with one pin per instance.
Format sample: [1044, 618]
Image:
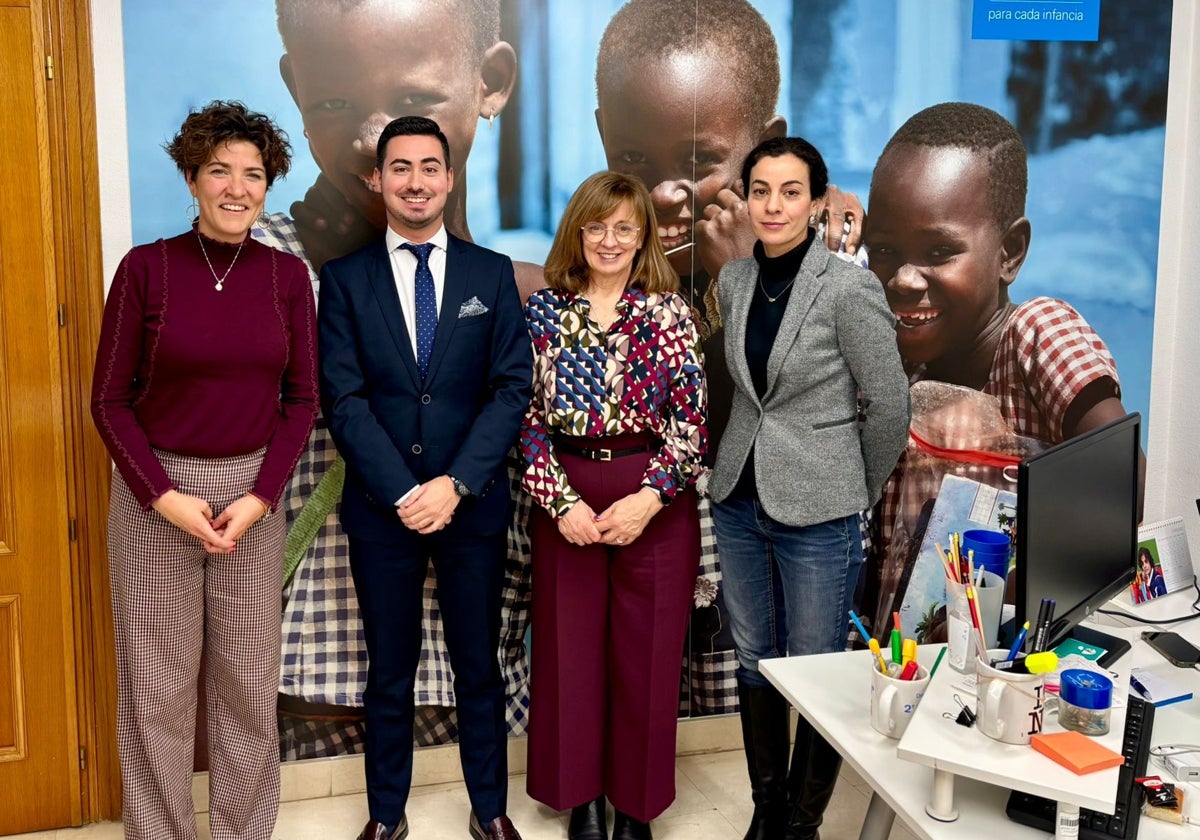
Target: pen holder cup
[894, 700]
[1010, 705]
[991, 601]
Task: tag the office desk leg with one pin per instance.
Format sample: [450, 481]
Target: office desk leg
[1068, 821]
[878, 823]
[941, 803]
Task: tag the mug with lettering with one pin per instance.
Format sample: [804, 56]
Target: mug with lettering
[894, 700]
[1010, 705]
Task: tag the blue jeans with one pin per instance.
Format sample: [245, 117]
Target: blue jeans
[788, 589]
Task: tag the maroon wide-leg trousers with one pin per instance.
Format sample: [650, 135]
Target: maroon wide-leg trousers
[608, 632]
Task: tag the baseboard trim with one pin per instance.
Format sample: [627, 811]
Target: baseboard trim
[318, 778]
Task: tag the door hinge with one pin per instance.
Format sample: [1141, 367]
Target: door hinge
[72, 531]
[50, 67]
[62, 314]
[82, 758]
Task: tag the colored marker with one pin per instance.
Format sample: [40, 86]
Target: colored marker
[897, 647]
[910, 671]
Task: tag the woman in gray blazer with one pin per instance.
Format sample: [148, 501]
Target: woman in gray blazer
[820, 415]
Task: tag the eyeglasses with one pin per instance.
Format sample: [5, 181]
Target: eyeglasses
[624, 232]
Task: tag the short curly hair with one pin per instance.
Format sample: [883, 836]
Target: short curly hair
[207, 129]
[965, 125]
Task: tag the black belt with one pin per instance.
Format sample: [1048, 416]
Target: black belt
[598, 454]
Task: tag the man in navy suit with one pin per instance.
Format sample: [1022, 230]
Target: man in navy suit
[425, 377]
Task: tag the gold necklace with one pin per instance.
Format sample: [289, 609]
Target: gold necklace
[781, 291]
[220, 280]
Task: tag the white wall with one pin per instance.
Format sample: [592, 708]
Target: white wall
[116, 223]
[1173, 481]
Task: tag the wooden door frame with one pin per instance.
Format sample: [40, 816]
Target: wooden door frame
[79, 272]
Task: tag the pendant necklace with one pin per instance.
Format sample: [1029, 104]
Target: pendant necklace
[221, 280]
[781, 291]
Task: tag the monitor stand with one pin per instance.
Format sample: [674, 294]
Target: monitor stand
[1114, 647]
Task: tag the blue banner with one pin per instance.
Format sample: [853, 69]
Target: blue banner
[1036, 20]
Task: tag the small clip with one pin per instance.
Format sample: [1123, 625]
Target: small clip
[965, 716]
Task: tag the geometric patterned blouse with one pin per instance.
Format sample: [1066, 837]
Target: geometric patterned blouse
[644, 374]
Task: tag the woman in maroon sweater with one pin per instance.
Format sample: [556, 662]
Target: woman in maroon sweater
[204, 392]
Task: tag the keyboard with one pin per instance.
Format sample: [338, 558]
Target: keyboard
[1038, 812]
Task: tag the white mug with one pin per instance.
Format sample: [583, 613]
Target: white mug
[894, 700]
[1010, 705]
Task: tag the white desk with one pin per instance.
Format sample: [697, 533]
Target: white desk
[832, 691]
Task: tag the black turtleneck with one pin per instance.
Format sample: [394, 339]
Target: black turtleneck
[776, 275]
[775, 278]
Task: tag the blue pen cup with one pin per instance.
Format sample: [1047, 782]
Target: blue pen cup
[991, 550]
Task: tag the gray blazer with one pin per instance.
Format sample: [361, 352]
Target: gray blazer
[813, 461]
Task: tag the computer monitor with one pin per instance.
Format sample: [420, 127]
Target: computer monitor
[1077, 523]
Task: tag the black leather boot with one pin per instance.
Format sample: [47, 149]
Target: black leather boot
[589, 821]
[626, 827]
[811, 781]
[764, 714]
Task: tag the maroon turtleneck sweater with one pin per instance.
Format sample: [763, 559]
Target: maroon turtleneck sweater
[188, 369]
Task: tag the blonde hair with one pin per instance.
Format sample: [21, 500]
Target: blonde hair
[597, 198]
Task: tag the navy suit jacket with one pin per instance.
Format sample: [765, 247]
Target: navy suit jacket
[396, 431]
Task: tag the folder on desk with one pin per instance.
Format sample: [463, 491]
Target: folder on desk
[1077, 752]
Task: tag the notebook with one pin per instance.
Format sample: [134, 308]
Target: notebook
[1157, 689]
[1077, 752]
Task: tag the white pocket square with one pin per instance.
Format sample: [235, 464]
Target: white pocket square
[471, 308]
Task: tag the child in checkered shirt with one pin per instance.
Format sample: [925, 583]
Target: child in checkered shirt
[946, 235]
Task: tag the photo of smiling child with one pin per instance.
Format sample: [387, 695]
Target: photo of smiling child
[947, 235]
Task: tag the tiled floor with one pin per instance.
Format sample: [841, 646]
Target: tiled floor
[712, 803]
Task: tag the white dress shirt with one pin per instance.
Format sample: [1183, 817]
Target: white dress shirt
[404, 273]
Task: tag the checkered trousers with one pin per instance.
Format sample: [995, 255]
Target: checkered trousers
[171, 599]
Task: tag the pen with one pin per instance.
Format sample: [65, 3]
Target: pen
[1141, 689]
[1043, 629]
[862, 631]
[897, 647]
[976, 622]
[1016, 648]
[1041, 622]
[937, 661]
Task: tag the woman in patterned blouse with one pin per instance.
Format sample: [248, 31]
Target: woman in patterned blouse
[612, 444]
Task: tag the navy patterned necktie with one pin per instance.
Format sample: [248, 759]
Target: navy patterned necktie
[426, 304]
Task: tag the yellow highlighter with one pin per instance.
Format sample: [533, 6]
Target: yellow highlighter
[1041, 663]
[873, 644]
[910, 651]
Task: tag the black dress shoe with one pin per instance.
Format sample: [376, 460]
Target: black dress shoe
[500, 828]
[375, 830]
[626, 827]
[588, 821]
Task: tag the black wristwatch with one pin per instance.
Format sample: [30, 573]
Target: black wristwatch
[459, 488]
